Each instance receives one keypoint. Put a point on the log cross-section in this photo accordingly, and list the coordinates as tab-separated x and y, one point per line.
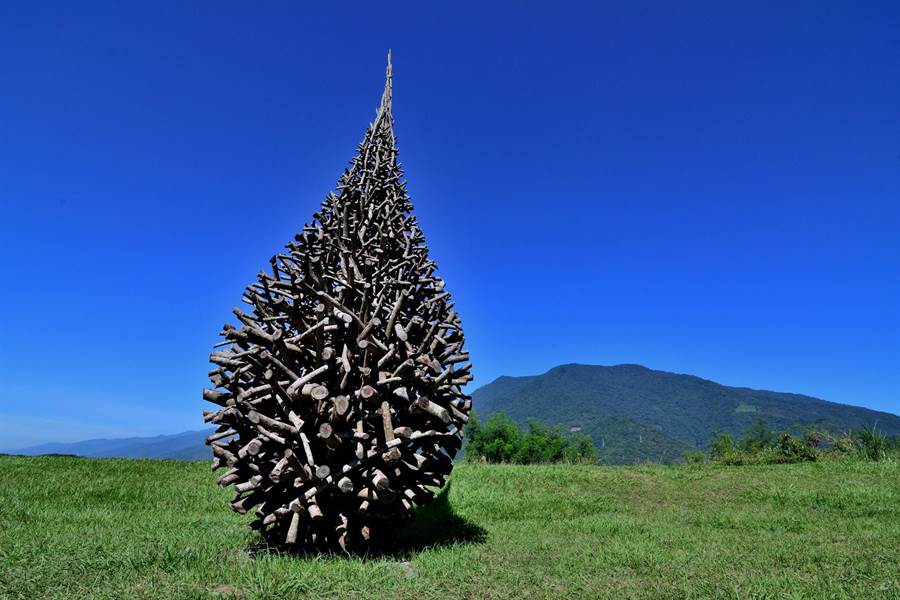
338	393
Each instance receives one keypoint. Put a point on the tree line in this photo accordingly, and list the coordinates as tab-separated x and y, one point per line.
500	440
761	445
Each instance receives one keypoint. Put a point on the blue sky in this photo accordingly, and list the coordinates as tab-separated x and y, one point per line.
708	188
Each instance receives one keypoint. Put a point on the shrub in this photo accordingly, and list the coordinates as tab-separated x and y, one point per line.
762	446
758	447
694	457
581	450
873	444
816	438
758	437
842	444
721	446
500	440
792	450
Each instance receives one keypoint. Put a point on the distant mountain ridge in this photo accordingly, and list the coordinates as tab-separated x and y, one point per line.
632	413
635	414
187	445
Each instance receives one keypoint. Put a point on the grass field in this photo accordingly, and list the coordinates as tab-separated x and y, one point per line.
74	528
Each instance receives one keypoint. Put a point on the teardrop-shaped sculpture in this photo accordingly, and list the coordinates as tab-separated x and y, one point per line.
339	392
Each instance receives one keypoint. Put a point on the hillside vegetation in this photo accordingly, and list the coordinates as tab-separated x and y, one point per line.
82	528
635	414
500	440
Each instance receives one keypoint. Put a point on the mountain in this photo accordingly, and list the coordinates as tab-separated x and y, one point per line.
635	414
632	413
187	445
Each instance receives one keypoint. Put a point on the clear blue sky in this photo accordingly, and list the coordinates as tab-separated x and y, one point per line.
707	188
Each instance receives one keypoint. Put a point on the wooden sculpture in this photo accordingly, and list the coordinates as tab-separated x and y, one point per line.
339	392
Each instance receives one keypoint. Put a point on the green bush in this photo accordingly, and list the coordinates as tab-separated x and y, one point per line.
758	437
723	450
500	440
873	444
580	450
841	444
792	450
694	457
760	446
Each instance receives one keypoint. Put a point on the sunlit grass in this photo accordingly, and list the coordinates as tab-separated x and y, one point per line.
73	528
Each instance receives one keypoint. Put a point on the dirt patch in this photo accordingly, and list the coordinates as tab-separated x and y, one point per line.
228	591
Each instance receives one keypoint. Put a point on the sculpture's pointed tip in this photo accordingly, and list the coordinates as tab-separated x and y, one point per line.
386	98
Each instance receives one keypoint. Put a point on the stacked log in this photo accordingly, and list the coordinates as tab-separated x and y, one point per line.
339	390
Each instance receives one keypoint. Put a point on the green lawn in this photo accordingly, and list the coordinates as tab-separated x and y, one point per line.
73	528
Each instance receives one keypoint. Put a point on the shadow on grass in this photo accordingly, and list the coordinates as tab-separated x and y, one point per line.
433	525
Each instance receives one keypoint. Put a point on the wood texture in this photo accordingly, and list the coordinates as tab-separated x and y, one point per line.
338	393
